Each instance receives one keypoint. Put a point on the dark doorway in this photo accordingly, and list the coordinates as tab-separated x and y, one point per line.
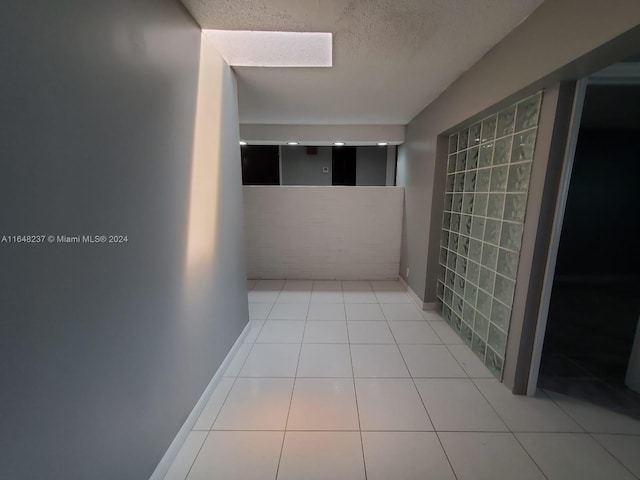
344	166
260	164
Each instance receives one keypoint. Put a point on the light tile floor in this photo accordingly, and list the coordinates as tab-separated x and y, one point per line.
350	380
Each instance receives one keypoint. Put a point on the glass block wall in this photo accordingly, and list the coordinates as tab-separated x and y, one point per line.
482	224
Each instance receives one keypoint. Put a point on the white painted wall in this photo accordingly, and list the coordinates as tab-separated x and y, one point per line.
299	168
323	232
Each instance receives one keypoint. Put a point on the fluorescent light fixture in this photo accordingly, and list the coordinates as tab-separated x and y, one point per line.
382	144
292	143
245	48
338	144
242	142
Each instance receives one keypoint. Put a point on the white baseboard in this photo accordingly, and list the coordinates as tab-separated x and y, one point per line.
427	306
169	456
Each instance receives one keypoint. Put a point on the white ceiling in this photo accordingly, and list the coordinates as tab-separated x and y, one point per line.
391	58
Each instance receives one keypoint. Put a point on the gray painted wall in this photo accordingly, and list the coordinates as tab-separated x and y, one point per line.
541	51
371	165
298	168
105	349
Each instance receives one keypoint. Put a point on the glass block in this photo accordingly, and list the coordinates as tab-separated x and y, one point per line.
446	220
483	180
467	203
450	277
519	177
457	203
500	315
502	151
463	139
470	181
461	161
499	179
478	346
465	224
461	266
523	146
474	134
486	155
477	228
483	303
492	232
515	207
448	202
487	279
481	326
451	163
453	143
506	122
451	180
480	204
511	236
453	242
466	333
446	313
495	205
507	263
440	290
459	185
494	363
442	260
504	289
451	261
527	113
497	339
442	271
444	238
463	248
470	293
456	322
457	305
455	222
475	250
489	128
489	256
448	296
472	158
468	313
473	271
459	286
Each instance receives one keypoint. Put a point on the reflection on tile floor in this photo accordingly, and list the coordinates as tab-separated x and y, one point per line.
350	380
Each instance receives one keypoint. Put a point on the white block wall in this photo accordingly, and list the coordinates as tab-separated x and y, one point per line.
323	232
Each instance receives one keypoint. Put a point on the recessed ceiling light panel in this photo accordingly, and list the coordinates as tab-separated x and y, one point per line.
338	144
246	48
292	143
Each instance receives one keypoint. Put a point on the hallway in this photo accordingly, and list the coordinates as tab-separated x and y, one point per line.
350	380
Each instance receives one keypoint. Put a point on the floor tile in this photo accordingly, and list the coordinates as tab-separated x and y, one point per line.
394	297
369	332
186	456
446	333
625	448
298	285
271	360
414	332
256	404
405	456
470	362
326	331
401	311
594	418
254	330
431	361
457	405
293	296
321	456
281	331
263	296
356	286
526	414
359	297
324	360
564	456
327	291
323	404
238	455
377	361
289	311
363	311
213	405
488	456
259	311
233	369
387	286
268	285
326	311
390	404
432	316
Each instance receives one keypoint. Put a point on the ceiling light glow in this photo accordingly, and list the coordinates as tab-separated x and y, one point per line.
338	144
382	144
242	142
292	143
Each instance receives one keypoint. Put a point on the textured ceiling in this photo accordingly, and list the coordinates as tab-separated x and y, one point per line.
391	57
